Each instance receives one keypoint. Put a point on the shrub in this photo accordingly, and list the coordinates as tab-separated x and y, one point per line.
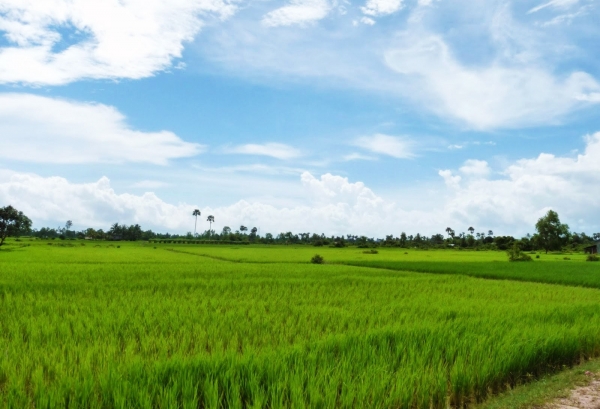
317	259
372	251
515	254
566	258
538	256
592	257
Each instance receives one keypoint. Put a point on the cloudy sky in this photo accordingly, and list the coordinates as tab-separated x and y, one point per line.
367	117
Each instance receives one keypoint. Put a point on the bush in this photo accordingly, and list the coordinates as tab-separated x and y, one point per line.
566	258
592	257
372	251
317	259
515	254
538	256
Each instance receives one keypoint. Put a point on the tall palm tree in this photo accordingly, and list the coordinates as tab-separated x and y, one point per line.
211	220
471	230
196	213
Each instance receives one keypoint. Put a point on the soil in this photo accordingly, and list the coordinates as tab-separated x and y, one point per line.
584	397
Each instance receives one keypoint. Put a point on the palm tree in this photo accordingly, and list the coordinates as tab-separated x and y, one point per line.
243	228
471	230
196	213
448	230
211	220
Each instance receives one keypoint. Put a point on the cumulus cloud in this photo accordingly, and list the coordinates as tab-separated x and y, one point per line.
397	147
508	201
527	188
491	96
49	130
381	7
298	12
115	39
475	168
274	150
337	206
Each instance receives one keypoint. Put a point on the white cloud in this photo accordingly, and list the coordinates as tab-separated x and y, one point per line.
381	7
527	189
510	203
337	206
488	97
475	168
397	147
358	156
298	12
49	130
368	21
561	4
118	39
452	181
274	150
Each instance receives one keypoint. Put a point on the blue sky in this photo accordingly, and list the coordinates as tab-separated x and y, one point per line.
370	117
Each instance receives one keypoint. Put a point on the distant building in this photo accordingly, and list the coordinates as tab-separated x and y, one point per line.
593	249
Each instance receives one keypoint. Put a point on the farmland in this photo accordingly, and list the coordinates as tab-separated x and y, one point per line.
169	325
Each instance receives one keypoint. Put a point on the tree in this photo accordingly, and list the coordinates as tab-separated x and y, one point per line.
471	230
12	223
449	231
552	234
211	220
243	228
68	226
195	213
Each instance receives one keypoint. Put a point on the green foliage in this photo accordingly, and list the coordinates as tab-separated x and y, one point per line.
317	259
515	254
372	251
12	223
94	327
592	257
552	234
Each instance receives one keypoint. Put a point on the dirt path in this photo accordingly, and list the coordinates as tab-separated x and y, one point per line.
584	397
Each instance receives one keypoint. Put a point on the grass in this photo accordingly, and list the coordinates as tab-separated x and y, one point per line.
546	389
564	273
138	326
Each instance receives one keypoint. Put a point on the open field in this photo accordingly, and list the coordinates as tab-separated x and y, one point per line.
214	327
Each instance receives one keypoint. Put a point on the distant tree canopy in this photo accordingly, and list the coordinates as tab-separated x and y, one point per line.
552	234
12	223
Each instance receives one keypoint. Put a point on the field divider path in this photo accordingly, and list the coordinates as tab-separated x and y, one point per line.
572	275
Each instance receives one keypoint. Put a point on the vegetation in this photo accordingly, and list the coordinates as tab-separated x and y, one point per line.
515	254
592	257
12	223
552	234
166	323
317	259
172	327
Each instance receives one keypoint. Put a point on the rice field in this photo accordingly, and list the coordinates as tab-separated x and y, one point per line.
182	326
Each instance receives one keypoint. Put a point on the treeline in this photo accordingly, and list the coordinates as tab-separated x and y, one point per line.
550	235
483	241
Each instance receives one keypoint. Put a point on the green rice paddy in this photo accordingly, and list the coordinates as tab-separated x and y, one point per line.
190	326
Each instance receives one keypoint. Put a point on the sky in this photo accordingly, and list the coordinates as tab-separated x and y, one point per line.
369	117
